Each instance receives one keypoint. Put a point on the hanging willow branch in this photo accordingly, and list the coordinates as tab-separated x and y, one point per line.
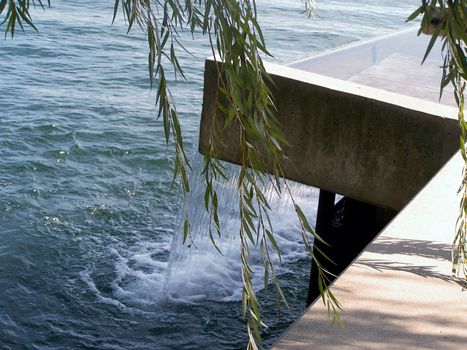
17	13
245	99
447	20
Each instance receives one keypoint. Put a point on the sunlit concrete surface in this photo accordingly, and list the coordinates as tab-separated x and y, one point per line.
391	63
399	293
356	140
366	122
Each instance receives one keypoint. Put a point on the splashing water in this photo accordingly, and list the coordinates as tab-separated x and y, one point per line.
200	272
145	277
87	218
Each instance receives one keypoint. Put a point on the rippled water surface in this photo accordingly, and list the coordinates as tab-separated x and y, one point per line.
87	213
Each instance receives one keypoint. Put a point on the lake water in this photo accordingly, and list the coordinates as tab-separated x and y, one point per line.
87	213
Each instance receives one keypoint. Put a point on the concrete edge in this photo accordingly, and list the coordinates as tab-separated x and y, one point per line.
351	88
356	44
381	233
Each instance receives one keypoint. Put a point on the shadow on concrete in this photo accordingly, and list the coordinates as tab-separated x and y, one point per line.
426	249
420	270
394	332
409	247
347	227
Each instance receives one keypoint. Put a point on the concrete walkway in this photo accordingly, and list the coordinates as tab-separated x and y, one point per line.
399	293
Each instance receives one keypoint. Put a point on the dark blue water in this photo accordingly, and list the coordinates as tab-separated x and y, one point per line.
87	213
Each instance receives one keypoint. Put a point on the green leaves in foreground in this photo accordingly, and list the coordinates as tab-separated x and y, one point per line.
244	98
236	40
446	20
16	12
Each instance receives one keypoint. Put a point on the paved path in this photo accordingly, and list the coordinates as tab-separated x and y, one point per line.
399	294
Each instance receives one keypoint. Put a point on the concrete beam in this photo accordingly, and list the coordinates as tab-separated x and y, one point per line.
365	143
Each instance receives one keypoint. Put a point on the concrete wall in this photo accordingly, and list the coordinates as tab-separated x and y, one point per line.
374	146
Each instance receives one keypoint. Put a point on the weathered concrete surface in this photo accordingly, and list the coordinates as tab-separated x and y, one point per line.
347	61
361	142
399	294
391	63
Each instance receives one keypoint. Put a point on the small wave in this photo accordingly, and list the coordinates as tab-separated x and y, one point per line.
139	275
87	279
139	278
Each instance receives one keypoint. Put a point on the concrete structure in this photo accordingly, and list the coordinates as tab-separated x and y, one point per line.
391	63
345	137
372	129
399	293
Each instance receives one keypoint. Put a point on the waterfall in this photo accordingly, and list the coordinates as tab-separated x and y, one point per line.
200	272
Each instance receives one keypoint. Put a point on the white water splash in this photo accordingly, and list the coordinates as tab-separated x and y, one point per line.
201	273
143	277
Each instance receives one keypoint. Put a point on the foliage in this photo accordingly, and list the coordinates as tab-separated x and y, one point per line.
447	19
17	13
244	97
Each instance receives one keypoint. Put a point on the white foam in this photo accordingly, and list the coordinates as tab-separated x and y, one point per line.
201	273
140	275
144	278
86	278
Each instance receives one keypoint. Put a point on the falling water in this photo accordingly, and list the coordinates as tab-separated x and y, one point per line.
86	214
200	272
